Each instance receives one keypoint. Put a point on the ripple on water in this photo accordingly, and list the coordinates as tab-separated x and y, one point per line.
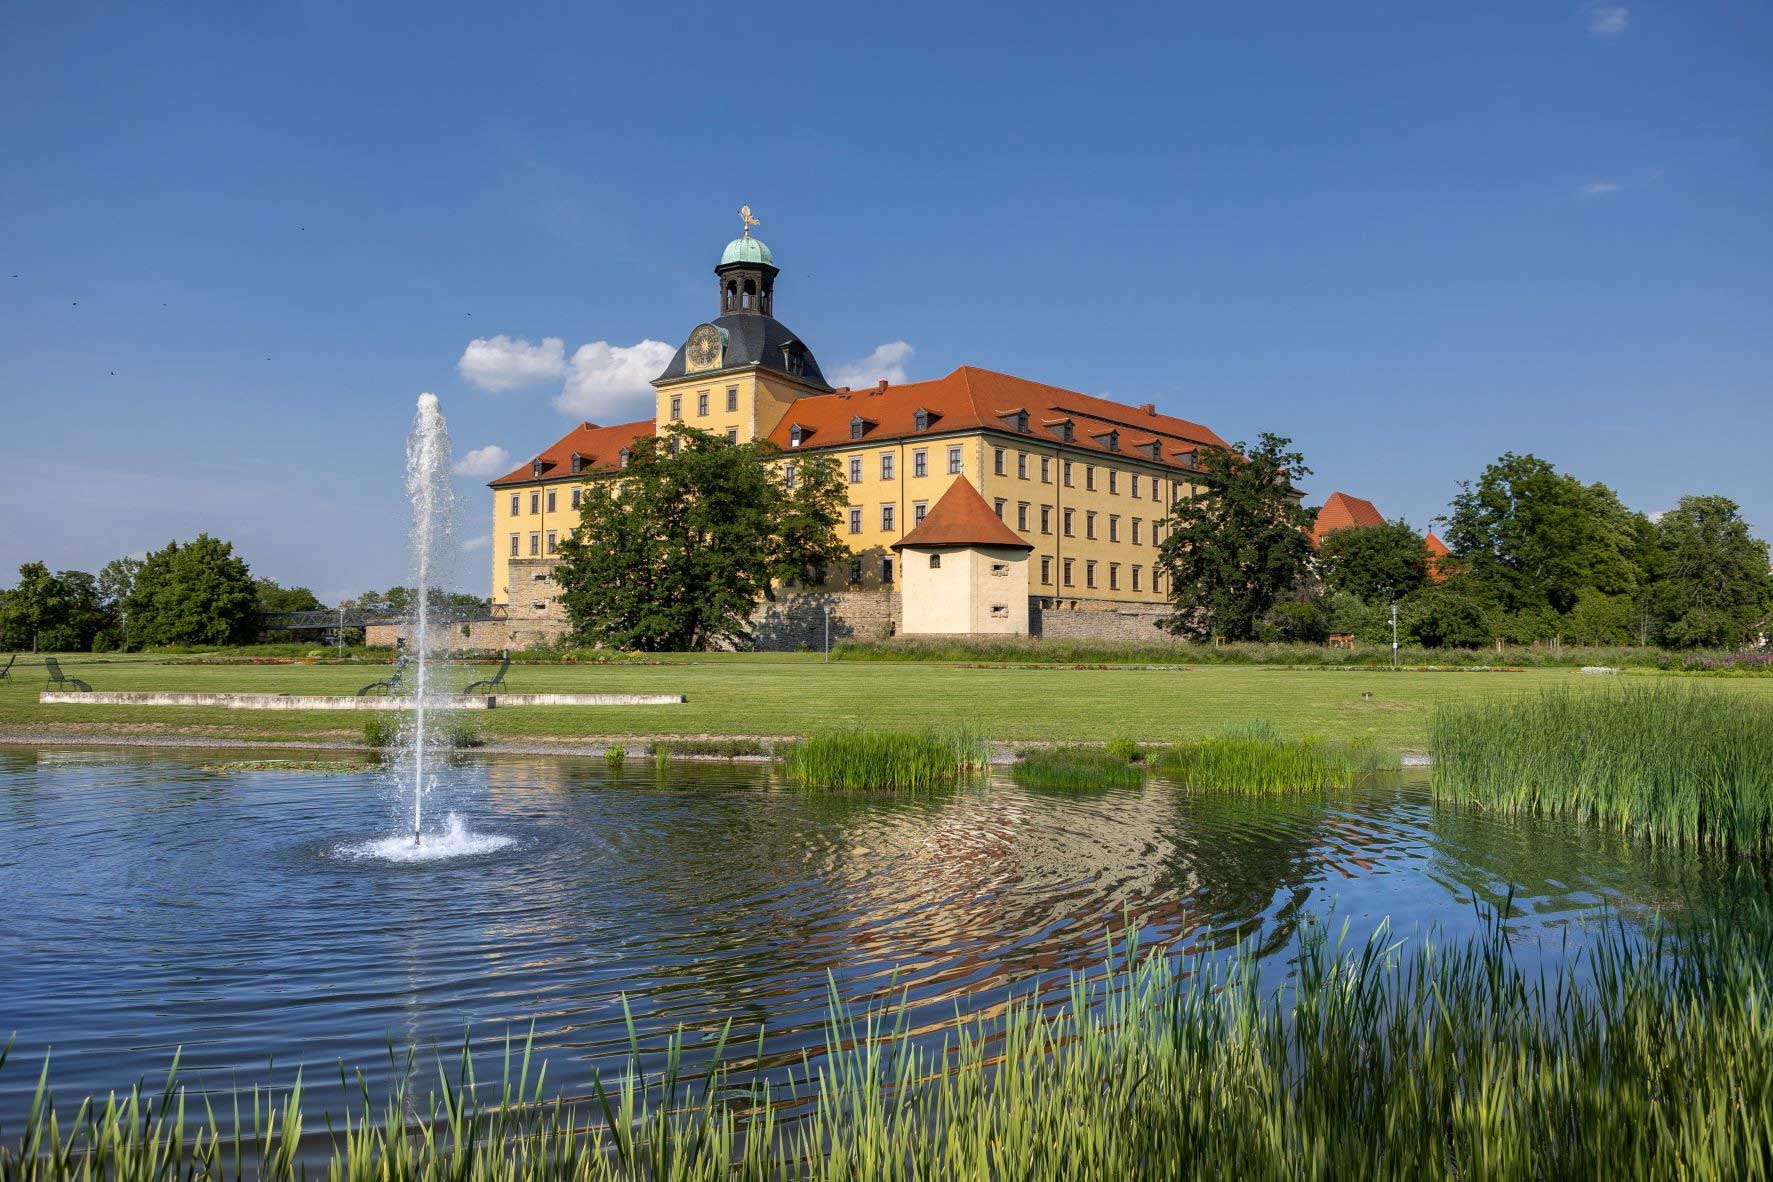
454	842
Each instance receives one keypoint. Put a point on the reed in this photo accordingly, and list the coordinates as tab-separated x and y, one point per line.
729	748
1675	764
1254	759
380	731
902	760
614	757
1076	767
1374	1061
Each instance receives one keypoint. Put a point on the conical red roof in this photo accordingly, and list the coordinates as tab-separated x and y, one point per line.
962	518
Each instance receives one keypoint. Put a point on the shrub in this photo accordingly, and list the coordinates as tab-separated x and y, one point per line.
1125	750
381	730
615	757
1673	763
883	759
461	734
1075	767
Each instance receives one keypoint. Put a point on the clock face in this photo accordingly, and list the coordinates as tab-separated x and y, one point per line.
705	348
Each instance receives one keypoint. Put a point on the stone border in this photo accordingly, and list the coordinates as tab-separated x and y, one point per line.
341	702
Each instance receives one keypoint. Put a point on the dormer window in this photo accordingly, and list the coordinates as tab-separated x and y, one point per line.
796	435
1016	420
859	427
622	458
578	463
1062	428
536	469
1154	449
921	420
1109	440
793	359
1022	422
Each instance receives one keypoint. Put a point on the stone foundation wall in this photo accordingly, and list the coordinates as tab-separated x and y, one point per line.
480	635
1095	619
797	622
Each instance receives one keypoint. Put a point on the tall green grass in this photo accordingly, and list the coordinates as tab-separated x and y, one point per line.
1076	767
1254	758
1676	764
1649	1061
883	759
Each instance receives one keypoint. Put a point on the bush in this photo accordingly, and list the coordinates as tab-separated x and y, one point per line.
1293	623
381	730
461	734
615	757
1444	617
1125	750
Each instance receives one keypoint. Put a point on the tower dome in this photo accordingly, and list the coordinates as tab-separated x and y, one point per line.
747	250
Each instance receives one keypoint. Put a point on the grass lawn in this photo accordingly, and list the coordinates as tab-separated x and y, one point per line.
795	694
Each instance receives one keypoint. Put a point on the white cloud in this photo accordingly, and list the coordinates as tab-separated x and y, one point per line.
610	383
490	460
477	542
887	361
1599	188
1608	20
500	363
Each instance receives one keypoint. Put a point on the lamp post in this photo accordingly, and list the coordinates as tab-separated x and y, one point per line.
1394	634
828	632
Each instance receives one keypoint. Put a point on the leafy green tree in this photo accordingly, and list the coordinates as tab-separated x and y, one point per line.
674	555
1599	619
1534	537
1239	545
395	601
1445	615
1375	563
47	612
1299	621
197	593
273	597
1714	588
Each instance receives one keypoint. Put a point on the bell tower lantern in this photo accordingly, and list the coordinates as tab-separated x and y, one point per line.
746	274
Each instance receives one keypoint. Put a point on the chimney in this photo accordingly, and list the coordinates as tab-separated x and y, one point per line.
881	387
1149	408
843	389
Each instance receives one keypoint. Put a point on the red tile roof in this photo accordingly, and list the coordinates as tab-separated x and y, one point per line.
962	518
970	398
1342	511
598	449
1437	550
1436	547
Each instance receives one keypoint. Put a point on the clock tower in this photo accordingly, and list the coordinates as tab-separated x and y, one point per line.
736	375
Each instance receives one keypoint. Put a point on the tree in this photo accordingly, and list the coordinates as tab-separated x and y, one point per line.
1534	538
395	601
1714	588
1237	546
1445	615
675	554
275	598
1375	563
197	593
46	612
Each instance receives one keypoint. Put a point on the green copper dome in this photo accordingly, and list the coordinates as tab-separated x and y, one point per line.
746	250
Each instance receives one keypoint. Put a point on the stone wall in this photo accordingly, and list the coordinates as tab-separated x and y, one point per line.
797	622
1095	619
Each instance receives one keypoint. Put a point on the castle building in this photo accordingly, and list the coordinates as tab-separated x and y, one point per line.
1077	485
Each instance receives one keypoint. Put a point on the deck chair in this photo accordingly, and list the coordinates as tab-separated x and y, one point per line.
58	678
492	683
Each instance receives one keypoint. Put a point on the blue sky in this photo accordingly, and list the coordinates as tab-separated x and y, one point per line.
236	242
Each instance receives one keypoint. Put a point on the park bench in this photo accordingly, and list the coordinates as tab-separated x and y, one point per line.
492	683
388	685
8	668
58	678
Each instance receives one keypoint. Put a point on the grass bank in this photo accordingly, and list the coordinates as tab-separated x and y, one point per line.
1434	1064
1256	759
1676	764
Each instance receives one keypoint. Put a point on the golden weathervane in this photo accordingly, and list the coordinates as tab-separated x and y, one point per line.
747	220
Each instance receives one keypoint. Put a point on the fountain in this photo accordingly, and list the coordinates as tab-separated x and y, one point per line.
431	545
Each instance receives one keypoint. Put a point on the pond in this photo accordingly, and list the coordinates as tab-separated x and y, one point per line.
153	902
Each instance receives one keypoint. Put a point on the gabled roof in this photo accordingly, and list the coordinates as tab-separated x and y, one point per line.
971	397
1436	547
962	518
599	450
1342	511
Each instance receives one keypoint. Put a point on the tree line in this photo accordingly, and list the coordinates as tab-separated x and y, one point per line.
1536	555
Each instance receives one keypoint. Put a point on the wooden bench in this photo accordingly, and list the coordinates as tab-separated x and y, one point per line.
58	678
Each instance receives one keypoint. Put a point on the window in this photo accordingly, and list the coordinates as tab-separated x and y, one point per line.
622	458
997	507
857	426
920	462
577	494
1000	611
535	545
550	500
1113	481
732	435
1065	473
1114	527
676	407
886	571
514	545
954	461
1046	519
702	403
552	546
1000	570
1090	573
1155	494
1022	516
1136	569
788	474
935	562
997	461
921	420
1046	469
1090	477
535	502
1068	563
1046	569
1114	576
1133	485
855	570
676	445
886	465
1135	531
1022	465
1090	524
1069	513
796	434
855	521
918	509
515	499
855	469
732	398
886	517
